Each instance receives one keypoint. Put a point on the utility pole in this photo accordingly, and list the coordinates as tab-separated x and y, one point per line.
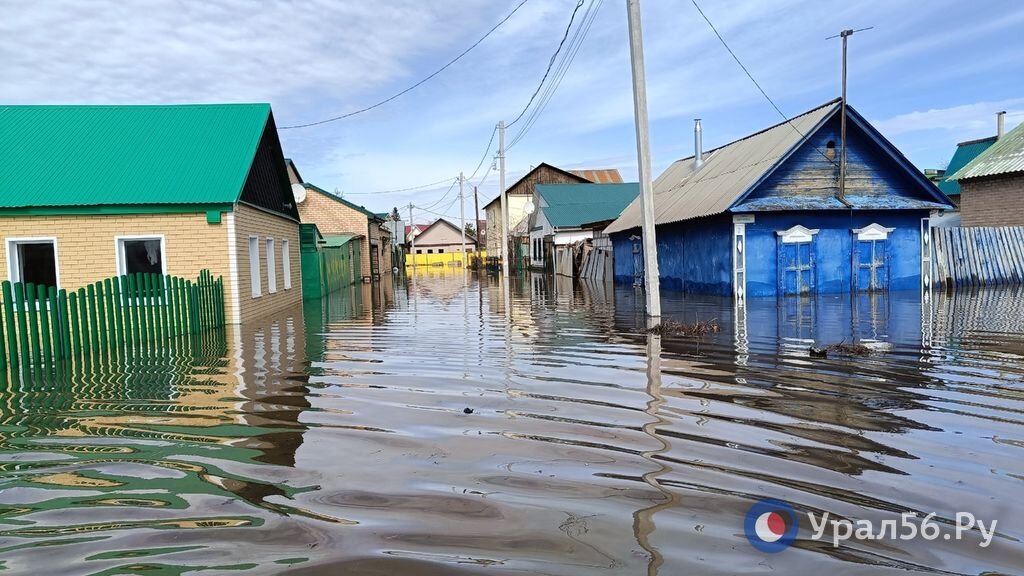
412	238
462	216
652	289
476	223
504	199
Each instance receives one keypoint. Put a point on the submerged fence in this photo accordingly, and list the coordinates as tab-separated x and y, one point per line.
981	256
114	318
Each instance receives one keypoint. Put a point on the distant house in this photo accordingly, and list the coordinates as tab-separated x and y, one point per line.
562	211
762	216
519	196
334	215
90	192
965	152
414	230
442	237
992	184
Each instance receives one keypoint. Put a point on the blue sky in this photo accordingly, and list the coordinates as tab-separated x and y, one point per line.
928	75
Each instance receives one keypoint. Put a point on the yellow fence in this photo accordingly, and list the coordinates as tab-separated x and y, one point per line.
450	259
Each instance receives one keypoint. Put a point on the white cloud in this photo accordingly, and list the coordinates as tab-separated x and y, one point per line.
968	120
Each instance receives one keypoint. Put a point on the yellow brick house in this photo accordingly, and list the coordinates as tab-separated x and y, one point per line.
91	192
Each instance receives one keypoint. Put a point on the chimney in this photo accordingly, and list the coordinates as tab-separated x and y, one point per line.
1000	121
698	145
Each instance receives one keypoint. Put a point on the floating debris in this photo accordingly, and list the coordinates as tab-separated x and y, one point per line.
699	328
842	349
467	410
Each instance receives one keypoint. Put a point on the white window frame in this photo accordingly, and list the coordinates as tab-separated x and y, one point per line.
874	231
255	279
119	251
286	263
13	262
271	265
797	234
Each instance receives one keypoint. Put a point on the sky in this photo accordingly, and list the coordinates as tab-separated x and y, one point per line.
928	75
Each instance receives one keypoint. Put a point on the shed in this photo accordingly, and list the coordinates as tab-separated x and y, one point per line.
335	215
91	192
763	217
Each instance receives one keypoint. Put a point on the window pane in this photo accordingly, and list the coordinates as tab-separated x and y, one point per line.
142	256
271	266
37	263
254	266
286	264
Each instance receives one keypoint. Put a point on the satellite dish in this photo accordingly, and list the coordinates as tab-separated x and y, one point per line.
529	208
299	191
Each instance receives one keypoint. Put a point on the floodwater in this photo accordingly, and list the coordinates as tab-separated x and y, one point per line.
334	439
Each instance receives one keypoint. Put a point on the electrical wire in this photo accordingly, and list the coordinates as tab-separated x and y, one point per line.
400	190
550	64
417	84
446	193
560	71
751	77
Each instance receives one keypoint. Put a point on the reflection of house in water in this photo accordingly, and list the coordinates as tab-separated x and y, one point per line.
201	416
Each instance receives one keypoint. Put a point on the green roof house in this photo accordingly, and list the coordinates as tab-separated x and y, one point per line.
90	192
992	184
965	152
562	215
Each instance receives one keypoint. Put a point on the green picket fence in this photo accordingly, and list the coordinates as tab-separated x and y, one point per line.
113	318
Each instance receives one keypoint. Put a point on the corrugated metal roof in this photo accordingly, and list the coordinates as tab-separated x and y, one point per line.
127	155
728	172
965	152
1003	157
335	240
600	176
572	205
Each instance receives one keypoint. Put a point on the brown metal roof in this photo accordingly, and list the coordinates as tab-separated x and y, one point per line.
600	175
727	173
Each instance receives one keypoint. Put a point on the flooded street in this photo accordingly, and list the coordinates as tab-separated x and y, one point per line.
429	428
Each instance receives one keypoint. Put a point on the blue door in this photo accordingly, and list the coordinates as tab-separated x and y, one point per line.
796	268
871	266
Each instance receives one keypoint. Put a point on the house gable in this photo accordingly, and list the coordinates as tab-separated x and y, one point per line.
441	232
877	175
267	185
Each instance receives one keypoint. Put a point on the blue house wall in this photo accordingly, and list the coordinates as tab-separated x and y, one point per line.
693	256
833	248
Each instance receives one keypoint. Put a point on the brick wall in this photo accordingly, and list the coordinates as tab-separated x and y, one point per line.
86	249
252	222
333	217
994	201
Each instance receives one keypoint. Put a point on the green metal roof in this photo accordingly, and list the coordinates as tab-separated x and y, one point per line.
127	155
337	198
1003	157
572	205
333	240
965	152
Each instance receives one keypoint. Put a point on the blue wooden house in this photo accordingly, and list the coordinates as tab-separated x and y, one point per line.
763	216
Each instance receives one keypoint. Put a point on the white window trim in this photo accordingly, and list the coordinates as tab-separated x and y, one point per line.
119	253
12	255
255	276
797	234
286	262
873	231
271	249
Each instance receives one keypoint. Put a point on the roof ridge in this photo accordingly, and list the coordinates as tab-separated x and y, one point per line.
182	105
763	130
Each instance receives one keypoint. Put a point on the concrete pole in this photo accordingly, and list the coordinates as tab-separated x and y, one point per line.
412	238
504	198
652	289
462	217
476	223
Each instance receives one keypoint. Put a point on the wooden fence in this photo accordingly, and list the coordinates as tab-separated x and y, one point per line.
114	318
966	257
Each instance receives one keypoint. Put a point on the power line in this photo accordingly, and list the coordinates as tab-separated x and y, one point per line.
560	71
447	192
484	157
400	190
550	63
751	77
416	85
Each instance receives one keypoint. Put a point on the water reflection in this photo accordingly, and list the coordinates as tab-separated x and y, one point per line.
449	424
